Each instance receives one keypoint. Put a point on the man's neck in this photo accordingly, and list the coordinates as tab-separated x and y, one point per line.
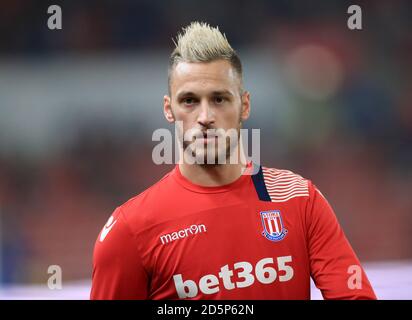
216	175
211	175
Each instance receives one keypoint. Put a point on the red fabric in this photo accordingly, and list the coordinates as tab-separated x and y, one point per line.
217	232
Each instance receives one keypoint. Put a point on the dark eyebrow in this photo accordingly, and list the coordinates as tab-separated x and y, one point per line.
185	94
222	93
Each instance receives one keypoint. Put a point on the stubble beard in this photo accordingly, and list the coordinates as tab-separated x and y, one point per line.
218	153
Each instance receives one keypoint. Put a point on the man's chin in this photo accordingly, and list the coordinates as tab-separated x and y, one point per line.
202	156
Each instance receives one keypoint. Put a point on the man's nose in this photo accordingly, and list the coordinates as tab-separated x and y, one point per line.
206	114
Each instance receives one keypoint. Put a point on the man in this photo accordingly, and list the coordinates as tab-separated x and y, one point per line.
211	230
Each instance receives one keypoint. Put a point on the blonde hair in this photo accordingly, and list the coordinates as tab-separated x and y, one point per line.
200	42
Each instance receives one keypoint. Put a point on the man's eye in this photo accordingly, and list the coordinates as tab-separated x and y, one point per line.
189	101
219	100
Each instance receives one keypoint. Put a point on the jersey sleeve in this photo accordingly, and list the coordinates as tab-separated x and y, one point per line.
334	266
118	272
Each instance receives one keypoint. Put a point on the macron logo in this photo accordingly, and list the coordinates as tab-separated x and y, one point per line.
106	229
183	233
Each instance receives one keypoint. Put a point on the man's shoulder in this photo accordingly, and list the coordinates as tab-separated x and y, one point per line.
283	185
138	210
277	173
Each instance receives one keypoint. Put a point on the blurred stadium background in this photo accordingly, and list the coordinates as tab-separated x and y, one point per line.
78	107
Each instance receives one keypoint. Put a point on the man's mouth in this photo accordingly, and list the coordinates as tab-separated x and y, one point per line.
207	137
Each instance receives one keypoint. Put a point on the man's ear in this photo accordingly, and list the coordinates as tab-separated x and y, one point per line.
245	106
167	109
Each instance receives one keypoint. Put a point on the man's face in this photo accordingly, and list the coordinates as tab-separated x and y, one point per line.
206	96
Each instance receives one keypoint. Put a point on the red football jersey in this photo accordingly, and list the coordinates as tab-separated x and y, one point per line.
260	237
